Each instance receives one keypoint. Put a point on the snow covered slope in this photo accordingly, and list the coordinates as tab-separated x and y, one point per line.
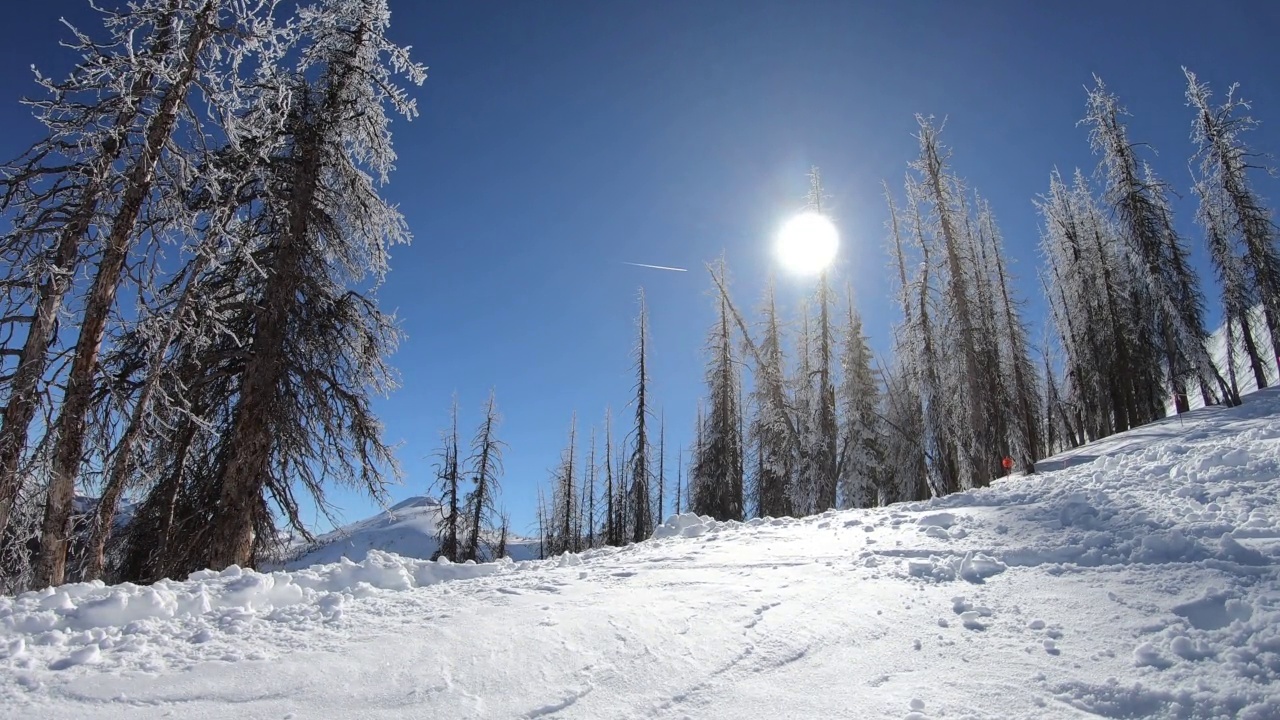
407	529
1136	577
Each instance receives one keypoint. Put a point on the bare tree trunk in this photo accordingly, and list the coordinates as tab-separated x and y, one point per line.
71	425
249	445
34	359
122	462
1251	347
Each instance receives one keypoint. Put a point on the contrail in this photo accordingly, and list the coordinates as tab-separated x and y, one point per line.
656	267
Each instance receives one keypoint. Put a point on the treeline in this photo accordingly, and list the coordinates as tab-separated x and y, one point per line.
189	260
613	491
816	422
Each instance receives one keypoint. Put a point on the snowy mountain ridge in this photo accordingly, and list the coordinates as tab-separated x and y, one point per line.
408	528
1134	577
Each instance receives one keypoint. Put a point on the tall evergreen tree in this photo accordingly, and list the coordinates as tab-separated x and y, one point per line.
717	465
564	537
679	479
825	440
485	468
1018	388
1161	262
588	504
861	454
639	498
200	31
612	530
775	461
939	196
1239	226
448	485
317	347
905	468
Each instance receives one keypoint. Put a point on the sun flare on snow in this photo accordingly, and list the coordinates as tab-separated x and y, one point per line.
807	243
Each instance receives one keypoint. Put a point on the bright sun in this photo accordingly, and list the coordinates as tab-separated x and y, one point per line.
807	243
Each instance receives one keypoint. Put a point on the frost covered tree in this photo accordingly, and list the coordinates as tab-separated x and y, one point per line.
1017	389
804	403
640	519
317	348
823	443
210	38
942	218
109	172
905	469
1159	256
962	390
717	465
775	456
58	190
1238	225
1102	316
861	446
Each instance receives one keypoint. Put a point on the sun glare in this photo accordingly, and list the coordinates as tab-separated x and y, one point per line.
807	243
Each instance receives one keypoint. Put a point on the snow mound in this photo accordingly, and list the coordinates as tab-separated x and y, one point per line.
1137	577
685	525
94	606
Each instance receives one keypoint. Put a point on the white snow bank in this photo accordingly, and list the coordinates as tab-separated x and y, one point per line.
54	613
1135	577
685	525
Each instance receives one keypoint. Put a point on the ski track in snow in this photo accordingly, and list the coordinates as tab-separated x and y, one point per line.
1134	577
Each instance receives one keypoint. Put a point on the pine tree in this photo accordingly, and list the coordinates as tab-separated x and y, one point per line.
485	468
1016	371
1240	229
679	479
317	348
769	426
1160	258
862	454
902	416
448	481
641	520
804	481
564	496
588	503
201	23
612	531
824	444
1102	314
717	465
939	198
922	346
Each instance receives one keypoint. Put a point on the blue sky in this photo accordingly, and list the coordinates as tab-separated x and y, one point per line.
558	139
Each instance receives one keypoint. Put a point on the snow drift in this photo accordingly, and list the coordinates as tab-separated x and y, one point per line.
1135	577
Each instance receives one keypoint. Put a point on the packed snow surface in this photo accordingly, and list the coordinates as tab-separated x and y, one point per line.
1135	577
